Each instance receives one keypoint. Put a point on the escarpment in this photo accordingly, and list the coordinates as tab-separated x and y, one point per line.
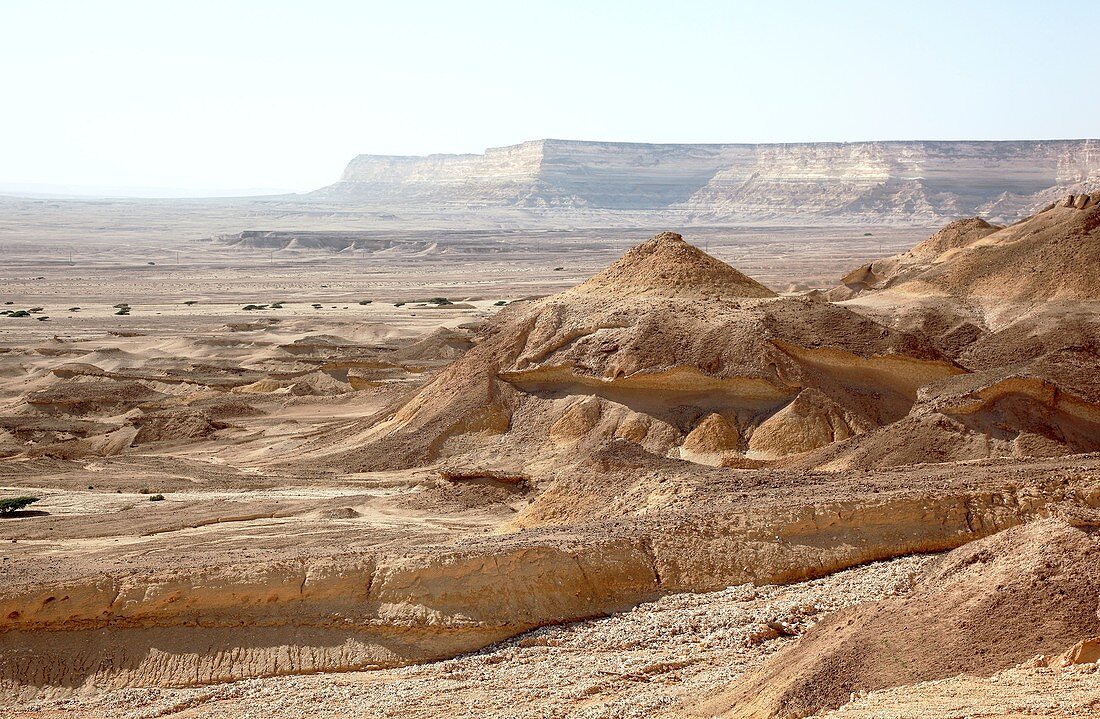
877	182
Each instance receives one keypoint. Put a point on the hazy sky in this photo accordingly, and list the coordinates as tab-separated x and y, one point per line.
231	95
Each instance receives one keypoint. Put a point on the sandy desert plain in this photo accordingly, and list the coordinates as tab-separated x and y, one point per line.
840	471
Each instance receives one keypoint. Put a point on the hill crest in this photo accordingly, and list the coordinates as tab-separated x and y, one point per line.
667	266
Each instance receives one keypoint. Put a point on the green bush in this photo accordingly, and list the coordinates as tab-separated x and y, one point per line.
500	303
14	504
439	301
20	313
156	498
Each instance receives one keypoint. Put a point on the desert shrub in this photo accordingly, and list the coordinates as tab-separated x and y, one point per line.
74	309
190	302
120	305
439	301
43	318
14	504
255	307
559	269
398	304
123	311
316	306
35	309
156	498
500	303
9	302
365	302
20	313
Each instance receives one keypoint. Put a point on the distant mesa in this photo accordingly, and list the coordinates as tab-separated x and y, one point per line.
892	182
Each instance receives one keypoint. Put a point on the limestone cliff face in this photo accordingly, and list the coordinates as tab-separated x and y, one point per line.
503	176
844	182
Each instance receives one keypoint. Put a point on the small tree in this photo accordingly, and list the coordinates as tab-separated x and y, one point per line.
14	504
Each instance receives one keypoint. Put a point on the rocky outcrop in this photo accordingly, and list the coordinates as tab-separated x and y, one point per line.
838	182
